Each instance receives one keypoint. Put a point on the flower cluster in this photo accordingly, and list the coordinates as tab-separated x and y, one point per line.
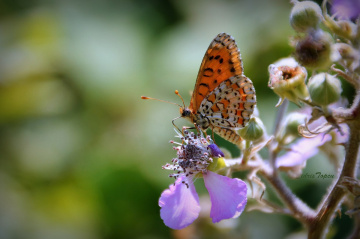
328	46
180	203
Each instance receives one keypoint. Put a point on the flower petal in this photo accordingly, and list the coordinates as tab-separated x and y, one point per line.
227	195
343	135
302	150
179	204
216	151
345	9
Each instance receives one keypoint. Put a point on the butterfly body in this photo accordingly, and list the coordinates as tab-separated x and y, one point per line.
223	98
199	119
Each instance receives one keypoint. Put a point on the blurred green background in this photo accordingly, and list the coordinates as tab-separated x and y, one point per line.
80	152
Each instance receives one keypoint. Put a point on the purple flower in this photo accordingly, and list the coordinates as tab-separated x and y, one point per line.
346	9
301	151
305	148
180	203
320	133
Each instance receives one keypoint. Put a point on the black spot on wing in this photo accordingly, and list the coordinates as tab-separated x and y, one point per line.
204	84
208	72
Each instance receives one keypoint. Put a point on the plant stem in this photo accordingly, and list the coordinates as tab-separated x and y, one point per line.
280	115
356	232
299	209
320	223
279	119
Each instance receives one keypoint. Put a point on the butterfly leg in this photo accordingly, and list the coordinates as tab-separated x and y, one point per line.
173	122
213	135
203	131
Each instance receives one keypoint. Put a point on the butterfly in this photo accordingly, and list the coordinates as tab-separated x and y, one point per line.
223	98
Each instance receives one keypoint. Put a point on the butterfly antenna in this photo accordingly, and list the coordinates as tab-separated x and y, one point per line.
177	92
150	98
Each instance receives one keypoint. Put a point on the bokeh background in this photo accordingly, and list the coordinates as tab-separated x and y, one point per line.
81	153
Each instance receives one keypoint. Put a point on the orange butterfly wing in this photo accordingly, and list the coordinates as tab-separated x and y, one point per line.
221	61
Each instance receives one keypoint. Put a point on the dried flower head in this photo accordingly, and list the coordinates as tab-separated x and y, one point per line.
287	79
314	50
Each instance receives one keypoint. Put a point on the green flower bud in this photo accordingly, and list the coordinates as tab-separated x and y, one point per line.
287	80
254	130
217	164
314	50
343	51
324	89
346	51
305	15
348	28
289	131
342	28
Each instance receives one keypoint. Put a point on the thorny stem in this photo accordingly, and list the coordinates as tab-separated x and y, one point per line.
299	209
318	221
351	113
356	232
348	78
319	224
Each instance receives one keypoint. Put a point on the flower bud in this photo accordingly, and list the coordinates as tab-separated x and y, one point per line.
305	15
347	29
314	50
218	161
288	81
215	151
346	51
254	130
343	51
289	132
324	89
217	164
